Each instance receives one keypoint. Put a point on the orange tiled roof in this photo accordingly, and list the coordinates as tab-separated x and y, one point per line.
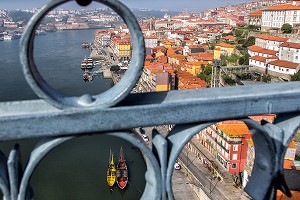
147	63
209	56
189	87
290	45
162	59
151	37
283	7
256	14
267	117
281	196
196	63
285	64
148	57
262	50
272	38
259	58
170	52
288	164
228	37
292	144
225	45
234	128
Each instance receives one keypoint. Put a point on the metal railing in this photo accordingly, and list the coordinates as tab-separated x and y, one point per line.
54	119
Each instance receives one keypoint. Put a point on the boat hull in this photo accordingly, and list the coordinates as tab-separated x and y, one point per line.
111	171
122	171
111	176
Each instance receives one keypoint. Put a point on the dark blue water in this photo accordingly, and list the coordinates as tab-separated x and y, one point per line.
76	169
58	56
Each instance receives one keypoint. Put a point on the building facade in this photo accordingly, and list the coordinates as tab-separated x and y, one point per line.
275	16
227	142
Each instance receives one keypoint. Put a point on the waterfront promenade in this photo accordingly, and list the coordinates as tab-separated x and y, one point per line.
195	178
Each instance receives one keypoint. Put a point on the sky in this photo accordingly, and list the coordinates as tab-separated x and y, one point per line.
178	5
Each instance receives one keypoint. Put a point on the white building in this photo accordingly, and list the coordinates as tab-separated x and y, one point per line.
151	41
269	42
283	67
255	18
277	15
290	51
275	55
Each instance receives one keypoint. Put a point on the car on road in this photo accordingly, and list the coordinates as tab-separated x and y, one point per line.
177	166
145	138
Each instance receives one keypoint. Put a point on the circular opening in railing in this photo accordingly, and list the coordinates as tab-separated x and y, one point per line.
77	168
81	166
76	56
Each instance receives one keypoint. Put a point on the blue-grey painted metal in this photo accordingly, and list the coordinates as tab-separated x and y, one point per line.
177	139
58	118
106	99
160	149
14	171
4	182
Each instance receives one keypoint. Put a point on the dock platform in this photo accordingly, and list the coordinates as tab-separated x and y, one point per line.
107	73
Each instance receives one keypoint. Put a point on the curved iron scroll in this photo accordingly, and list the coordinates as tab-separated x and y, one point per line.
116	109
103	100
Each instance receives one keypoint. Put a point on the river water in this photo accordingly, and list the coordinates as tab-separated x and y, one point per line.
76	169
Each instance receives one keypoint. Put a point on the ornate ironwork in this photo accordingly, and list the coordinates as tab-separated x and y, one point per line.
117	110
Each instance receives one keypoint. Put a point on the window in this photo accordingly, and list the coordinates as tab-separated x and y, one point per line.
234	156
296	57
235	147
234	165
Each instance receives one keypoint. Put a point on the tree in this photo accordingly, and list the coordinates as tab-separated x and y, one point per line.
253	27
241	41
238	32
228	80
266	78
206	73
286	28
296	77
249	42
241	60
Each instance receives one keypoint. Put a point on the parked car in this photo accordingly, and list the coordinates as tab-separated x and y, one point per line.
145	138
177	166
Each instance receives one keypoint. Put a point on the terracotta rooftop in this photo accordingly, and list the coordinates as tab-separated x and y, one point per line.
282	7
272	38
256	14
234	128
285	64
267	117
290	45
209	56
259	58
225	45
261	50
228	37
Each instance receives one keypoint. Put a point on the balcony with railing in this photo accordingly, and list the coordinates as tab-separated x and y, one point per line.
56	118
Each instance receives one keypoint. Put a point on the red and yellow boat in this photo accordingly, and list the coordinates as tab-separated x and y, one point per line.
122	171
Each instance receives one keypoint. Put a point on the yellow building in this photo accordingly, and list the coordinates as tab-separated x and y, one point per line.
224	49
194	68
121	48
158	77
167	44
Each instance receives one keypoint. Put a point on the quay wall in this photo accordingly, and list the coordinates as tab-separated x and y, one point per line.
107	73
194	182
